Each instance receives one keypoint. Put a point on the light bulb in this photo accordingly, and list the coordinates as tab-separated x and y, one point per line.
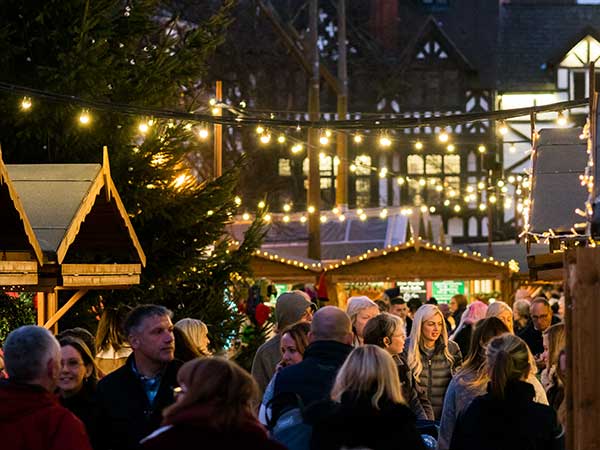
450	148
324	140
502	129
419	145
203	133
432	209
281	139
287	207
481	149
561	120
237	200
84	118
456	208
385	141
358	138
286	218
265	138
512	148
401	181
260	129
26	104
493	199
323	219
143	127
303	219
328	133
443	137
246	216
311	209
261	204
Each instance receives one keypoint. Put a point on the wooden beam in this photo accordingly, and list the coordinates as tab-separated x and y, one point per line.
582	310
56	316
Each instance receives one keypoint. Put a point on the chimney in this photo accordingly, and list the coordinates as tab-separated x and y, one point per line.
384	22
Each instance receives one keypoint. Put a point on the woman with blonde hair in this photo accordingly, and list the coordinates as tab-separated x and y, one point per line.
431	356
503	312
554	341
197	333
507	416
215	406
366	408
360	309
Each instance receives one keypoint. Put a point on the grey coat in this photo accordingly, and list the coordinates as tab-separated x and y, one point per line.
437	373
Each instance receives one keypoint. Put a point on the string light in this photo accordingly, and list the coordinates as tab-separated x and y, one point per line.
503	129
443	137
311	209
261	204
281	139
358	138
287	207
26	104
385	141
265	138
512	148
323	219
260	129
297	148
203	133
246	216
323	140
143	127
481	148
237	200
419	145
450	148
401	181
456	208
561	119
493	199
85	118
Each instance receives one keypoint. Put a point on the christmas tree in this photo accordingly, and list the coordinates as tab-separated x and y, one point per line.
137	53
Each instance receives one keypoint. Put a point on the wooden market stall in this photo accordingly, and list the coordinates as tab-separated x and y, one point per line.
64	227
279	269
419	260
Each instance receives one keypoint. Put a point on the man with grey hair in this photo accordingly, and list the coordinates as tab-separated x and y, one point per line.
131	399
312	379
30	415
291	307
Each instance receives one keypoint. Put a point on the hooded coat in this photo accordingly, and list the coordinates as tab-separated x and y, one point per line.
32	419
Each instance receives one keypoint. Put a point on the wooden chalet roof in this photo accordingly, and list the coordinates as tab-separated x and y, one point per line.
280	268
418	259
65	225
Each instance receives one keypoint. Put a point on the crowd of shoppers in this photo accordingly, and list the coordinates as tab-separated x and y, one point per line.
328	379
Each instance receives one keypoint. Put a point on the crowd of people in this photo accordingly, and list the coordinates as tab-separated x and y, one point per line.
376	375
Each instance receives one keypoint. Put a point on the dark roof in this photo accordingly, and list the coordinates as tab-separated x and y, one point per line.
505	251
531	38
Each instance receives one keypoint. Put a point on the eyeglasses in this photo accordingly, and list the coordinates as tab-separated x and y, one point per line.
71	363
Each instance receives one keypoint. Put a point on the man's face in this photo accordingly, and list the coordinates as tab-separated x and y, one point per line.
541	316
399	310
155	340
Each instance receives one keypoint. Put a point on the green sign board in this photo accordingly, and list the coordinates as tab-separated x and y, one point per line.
443	291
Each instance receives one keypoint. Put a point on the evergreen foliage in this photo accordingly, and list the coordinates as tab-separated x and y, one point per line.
139	53
15	312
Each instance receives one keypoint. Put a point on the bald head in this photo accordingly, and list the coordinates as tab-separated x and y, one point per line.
331	324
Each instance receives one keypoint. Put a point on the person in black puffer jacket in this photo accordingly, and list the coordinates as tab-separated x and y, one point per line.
431	357
366	409
507	417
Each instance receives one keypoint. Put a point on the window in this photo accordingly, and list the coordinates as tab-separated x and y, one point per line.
433	164
452	164
415	164
473	226
285	168
575	63
471	162
363	165
455	226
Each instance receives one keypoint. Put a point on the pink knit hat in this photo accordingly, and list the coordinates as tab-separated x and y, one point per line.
475	312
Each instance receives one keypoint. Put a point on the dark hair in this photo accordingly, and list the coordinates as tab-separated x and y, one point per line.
110	328
299	333
220	385
432	301
461	300
382	305
414	304
397	301
380	327
484	331
80	333
89	383
541	300
140	313
184	349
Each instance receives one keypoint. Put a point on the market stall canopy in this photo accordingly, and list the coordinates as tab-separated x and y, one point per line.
418	259
280	269
70	221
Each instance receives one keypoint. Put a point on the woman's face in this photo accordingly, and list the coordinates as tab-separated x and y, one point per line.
289	351
396	342
507	317
453	305
203	345
363	316
73	371
431	329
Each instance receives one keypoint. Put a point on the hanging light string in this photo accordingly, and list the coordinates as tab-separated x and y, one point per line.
250	118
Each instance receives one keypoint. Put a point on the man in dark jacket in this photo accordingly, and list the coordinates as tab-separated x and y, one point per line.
541	319
312	379
131	399
30	415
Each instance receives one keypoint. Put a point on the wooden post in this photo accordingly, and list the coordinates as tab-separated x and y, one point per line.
582	310
51	303
218	139
341	190
41	308
314	176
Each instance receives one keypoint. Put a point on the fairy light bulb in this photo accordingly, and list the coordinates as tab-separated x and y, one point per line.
303	219
203	133
400	181
323	219
287	207
261	204
296	148
493	199
443	136
26	104
260	129
358	138
502	128
432	209
311	209
328	133
281	139
385	141
265	138
512	148
450	148
237	200
561	119
143	127
482	207
85	118
246	216
481	149
323	140
456	208
419	145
